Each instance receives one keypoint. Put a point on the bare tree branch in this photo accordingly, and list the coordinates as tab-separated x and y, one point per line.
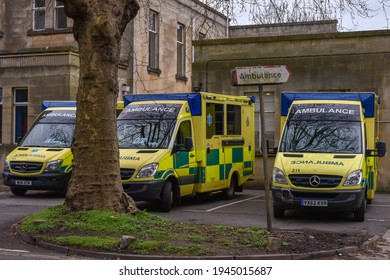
347	12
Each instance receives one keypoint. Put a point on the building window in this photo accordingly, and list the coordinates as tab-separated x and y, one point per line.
181	55
153	41
60	19
1	115
20	113
39	12
269	115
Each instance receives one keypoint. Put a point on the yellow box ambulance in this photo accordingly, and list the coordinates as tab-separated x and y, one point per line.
175	145
43	159
327	155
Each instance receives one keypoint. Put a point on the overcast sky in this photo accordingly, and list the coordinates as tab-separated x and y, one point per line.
378	21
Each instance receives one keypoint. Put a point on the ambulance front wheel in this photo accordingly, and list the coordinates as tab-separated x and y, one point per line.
278	212
166	197
359	215
18	192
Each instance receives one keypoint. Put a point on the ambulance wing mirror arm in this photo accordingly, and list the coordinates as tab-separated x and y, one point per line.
380	150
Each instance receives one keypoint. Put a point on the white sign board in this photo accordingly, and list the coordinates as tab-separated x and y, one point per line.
260	75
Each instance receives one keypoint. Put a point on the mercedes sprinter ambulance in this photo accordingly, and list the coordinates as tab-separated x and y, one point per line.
175	145
327	155
43	159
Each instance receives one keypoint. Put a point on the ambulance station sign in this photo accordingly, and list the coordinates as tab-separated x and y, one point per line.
260	75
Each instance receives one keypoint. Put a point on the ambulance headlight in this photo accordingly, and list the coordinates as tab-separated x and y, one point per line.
354	178
54	165
278	176
148	170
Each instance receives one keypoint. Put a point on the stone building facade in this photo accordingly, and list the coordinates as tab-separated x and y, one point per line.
332	61
39	57
294	28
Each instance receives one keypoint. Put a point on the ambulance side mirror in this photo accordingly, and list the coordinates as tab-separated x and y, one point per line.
272	151
381	149
188	144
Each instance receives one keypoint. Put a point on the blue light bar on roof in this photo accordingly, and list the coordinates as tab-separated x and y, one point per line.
47	104
366	98
193	98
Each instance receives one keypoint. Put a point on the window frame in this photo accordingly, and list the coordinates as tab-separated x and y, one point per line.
16	121
153	44
39	9
269	114
57	8
181	54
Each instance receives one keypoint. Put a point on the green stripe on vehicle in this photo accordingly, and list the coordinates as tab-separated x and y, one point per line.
238	155
213	157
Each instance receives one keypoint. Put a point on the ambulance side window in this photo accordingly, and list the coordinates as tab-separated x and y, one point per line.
183	133
214	120
233	120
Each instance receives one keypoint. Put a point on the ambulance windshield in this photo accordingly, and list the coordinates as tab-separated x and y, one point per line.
143	126
53	129
143	134
323	128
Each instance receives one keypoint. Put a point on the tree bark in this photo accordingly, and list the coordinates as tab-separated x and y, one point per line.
98	28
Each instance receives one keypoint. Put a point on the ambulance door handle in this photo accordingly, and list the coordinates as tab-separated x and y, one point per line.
192	155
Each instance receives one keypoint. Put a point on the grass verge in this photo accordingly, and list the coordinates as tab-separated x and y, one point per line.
153	235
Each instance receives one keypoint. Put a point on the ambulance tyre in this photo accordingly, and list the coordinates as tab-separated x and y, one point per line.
360	214
166	197
278	212
229	192
18	192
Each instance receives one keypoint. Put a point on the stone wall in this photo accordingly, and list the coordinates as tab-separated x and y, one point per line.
46	76
196	18
351	61
310	27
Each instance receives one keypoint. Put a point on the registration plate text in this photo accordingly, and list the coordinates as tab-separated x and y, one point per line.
23	183
316	203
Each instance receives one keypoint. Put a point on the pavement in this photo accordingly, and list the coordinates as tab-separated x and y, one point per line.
378	249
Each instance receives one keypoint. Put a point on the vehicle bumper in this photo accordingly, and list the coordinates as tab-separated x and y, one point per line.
144	191
49	181
340	200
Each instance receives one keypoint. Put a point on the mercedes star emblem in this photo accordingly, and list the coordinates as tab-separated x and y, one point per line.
314	181
24	167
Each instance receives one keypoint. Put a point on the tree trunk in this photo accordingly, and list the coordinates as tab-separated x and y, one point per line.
98	28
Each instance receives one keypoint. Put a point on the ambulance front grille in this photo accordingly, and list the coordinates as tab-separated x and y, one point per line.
26	167
315	181
126	174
